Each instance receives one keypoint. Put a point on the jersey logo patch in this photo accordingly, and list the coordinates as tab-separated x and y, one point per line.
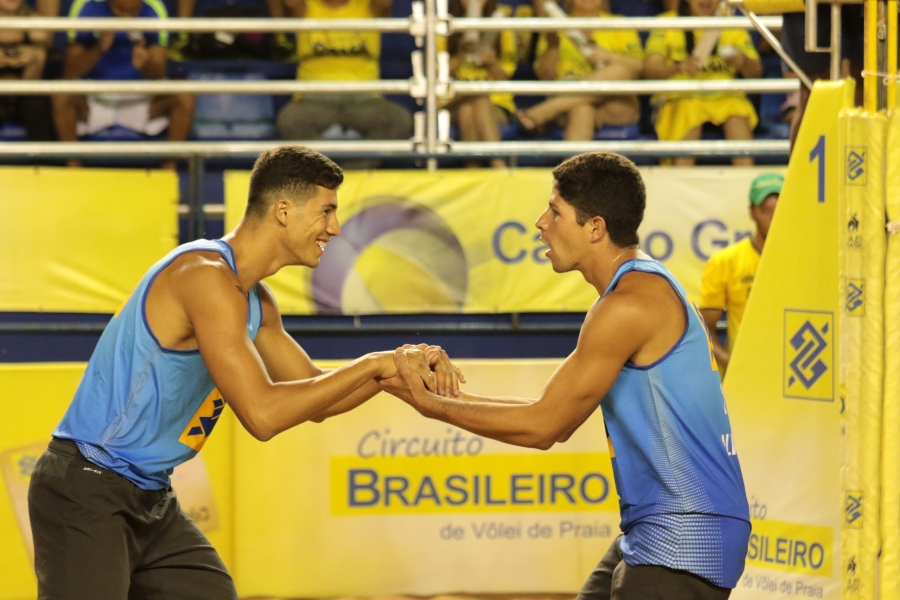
203	421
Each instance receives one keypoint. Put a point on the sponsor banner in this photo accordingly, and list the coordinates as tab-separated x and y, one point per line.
383	501
34	398
781	383
81	238
465	241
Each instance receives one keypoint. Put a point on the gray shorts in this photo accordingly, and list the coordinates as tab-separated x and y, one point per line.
97	536
614	579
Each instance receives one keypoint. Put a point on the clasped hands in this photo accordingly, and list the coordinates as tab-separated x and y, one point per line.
419	368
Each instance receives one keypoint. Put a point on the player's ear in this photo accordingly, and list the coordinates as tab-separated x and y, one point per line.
597	227
281	208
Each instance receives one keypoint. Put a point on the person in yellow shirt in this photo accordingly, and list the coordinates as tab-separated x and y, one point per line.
615	55
728	276
341	56
478	58
681	115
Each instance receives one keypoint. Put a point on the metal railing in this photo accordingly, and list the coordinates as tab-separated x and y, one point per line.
430	83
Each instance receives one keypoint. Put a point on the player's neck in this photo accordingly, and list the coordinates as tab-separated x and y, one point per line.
601	272
253	256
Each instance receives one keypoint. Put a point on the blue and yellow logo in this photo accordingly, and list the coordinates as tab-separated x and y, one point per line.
856	165
853	511
203	421
856	298
808	355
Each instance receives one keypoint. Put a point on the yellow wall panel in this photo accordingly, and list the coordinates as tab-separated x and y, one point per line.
78	240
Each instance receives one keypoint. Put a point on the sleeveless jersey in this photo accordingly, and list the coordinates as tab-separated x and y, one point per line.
142	409
681	492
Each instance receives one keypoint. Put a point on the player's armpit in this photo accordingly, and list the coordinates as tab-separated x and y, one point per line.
218	317
284	358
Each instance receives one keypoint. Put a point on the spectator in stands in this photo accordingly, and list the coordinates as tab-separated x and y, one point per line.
728	276
22	56
109	55
676	54
485	57
606	55
341	56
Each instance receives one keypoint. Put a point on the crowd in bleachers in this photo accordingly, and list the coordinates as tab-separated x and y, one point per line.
604	55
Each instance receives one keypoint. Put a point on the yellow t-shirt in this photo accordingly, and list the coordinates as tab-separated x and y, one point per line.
726	282
338	55
572	63
672	44
469	71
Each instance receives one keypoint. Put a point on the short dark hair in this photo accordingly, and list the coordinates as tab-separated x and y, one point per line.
292	171
607	185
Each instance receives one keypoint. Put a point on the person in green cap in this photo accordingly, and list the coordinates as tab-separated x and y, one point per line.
728	276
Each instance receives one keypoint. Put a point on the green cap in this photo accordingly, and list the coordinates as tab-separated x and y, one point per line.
762	186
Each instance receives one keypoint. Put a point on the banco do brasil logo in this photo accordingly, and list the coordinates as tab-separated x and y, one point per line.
856	298
808	355
856	165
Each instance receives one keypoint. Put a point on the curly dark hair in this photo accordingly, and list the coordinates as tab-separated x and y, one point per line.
607	185
292	171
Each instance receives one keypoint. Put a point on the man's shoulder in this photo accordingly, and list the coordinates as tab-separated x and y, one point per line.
90	8
153	9
638	293
205	268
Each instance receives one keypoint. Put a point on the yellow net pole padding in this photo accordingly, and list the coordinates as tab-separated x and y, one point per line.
870	57
849	331
872	346
774	7
890	443
891	56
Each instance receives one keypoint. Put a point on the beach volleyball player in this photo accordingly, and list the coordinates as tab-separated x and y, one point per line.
198	331
643	356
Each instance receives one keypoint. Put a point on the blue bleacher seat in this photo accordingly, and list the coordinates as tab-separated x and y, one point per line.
232	116
117	133
12	132
395	62
607	132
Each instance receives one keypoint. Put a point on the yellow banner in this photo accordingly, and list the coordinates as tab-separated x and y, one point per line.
781	384
79	240
469	482
412	503
33	400
465	241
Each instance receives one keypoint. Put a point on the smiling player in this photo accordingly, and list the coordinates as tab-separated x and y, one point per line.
198	331
643	356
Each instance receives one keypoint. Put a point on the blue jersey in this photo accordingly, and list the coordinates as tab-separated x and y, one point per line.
681	492
115	63
142	409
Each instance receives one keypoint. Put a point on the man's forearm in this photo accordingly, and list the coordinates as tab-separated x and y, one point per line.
505	419
79	63
290	403
154	69
353	400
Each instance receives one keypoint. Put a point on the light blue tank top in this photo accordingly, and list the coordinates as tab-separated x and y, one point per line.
681	492
142	409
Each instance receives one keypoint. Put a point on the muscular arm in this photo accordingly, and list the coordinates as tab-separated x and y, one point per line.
614	330
81	59
264	407
285	360
655	67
